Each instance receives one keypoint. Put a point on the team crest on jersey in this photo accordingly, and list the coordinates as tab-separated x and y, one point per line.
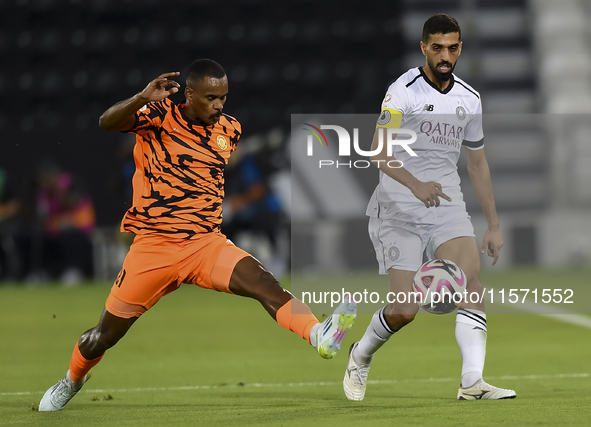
393	253
460	113
222	142
384	117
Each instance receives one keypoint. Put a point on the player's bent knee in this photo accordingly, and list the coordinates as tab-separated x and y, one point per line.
398	320
268	279
250	278
472	273
406	318
474	284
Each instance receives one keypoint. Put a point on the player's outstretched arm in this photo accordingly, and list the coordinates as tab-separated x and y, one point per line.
480	176
427	192
120	117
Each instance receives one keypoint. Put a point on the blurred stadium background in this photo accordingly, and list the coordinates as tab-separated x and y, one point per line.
66	61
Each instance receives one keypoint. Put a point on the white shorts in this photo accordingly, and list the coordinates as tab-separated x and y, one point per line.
401	244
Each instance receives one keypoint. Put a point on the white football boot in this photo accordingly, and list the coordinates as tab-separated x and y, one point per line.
481	390
332	331
355	379
56	398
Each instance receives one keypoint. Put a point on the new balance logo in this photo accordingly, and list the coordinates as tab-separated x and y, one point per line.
428	107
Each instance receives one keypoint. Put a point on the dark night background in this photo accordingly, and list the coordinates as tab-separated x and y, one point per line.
65	62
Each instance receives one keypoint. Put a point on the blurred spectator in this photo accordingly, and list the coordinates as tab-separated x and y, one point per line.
125	169
121	184
251	206
10	261
67	219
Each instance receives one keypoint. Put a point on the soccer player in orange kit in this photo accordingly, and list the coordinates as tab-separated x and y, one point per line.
180	154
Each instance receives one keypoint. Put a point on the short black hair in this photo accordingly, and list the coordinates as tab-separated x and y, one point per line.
441	23
203	68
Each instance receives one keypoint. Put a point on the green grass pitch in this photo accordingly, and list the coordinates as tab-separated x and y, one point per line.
205	358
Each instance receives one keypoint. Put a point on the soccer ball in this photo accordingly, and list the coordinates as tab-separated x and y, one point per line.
440	284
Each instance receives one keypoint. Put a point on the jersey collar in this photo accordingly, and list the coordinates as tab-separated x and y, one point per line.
191	121
434	86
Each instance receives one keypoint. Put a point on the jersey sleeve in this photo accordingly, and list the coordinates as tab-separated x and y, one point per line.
150	116
474	135
235	132
396	103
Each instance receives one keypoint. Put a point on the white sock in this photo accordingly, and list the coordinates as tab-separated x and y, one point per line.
376	335
313	333
72	384
471	337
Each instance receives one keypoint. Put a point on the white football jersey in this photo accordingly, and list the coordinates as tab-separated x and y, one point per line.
444	121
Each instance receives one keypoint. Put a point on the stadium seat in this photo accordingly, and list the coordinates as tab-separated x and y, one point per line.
291	72
236	32
288	30
239	74
78	37
183	34
258	33
24	39
134	77
102	39
80	79
131	36
52	82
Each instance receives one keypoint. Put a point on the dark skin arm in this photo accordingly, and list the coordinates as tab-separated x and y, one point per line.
120	117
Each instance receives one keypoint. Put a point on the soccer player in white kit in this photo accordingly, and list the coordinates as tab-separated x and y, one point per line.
419	207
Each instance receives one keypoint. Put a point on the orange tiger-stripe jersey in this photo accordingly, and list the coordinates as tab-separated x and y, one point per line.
178	185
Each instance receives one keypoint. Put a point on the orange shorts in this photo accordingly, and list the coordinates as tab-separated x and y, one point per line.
157	265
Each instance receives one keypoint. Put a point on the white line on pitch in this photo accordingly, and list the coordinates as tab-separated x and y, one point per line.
555	312
304	384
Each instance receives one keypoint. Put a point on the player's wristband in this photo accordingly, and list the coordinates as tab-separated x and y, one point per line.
389	119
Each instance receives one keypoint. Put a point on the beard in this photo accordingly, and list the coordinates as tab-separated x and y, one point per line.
442	77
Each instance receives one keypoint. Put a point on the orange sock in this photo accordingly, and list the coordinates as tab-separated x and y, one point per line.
297	317
79	365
